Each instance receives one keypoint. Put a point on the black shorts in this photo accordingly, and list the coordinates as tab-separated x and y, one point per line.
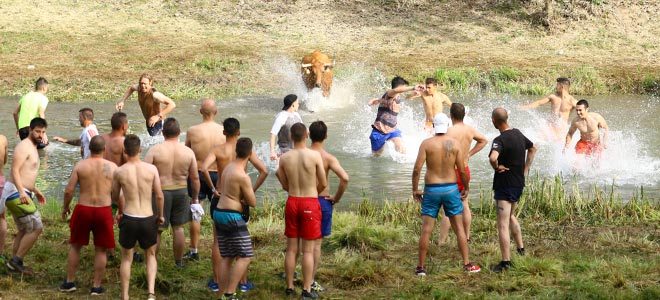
204	191
156	129
176	208
141	230
510	194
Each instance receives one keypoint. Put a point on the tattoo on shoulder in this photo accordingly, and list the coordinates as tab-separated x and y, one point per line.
449	146
106	170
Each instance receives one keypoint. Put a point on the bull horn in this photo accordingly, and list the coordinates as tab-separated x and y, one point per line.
305	65
330	64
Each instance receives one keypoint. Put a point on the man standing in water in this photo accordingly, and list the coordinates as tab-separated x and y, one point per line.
18	192
92	213
507	157
282	126
31	106
433	101
222	155
561	105
443	156
137	222
114	141
589	125
175	163
201	138
384	128
3	219
302	175
318	133
86	118
464	134
150	101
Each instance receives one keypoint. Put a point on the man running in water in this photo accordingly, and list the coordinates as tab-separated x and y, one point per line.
92	214
384	128
18	192
282	126
175	163
222	155
589	124
561	105
464	134
30	106
201	138
150	101
3	219
511	165
114	141
433	101
86	118
318	133
138	181
443	155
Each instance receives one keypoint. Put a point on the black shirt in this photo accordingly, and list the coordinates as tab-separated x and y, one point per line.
512	146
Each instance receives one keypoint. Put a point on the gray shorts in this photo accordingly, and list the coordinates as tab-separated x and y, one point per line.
176	207
29	223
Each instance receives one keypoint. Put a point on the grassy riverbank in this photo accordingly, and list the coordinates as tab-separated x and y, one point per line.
580	245
90	50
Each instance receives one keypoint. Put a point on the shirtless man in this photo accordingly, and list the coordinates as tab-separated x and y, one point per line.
18	192
561	105
150	101
443	155
222	155
175	163
589	124
92	213
201	138
318	132
433	100
3	220
114	141
302	175
86	118
137	222
464	134
231	228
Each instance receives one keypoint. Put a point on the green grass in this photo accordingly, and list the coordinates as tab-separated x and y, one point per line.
581	244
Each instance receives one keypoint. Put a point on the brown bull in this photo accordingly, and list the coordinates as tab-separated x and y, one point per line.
316	71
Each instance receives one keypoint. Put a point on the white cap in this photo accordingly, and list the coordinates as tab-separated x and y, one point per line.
441	123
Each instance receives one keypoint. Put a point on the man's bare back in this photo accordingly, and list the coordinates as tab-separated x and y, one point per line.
442	155
202	138
95	178
174	161
236	188
138	180
465	134
114	148
224	154
303	172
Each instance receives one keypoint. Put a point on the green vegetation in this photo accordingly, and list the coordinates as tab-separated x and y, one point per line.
580	243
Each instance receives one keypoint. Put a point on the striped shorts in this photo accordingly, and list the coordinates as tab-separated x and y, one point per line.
233	236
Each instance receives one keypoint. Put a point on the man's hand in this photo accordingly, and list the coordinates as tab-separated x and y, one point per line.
501	169
25	199
118	217
331	199
273	155
120	105
65	212
419	89
60	139
160	220
40	197
417	195
153	120
464	194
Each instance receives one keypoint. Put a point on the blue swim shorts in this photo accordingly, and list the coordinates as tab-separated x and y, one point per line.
442	194
378	138
326	216
156	130
511	194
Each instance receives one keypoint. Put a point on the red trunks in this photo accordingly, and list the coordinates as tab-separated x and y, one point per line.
303	218
587	148
98	220
458	178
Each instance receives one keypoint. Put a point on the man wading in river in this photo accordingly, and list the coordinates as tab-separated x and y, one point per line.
150	101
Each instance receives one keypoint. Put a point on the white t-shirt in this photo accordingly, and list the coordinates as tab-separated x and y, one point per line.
85	137
282	119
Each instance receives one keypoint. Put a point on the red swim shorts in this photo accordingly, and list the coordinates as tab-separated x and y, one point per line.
302	216
98	220
587	148
459	182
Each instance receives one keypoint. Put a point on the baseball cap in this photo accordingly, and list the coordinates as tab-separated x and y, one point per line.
440	123
289	100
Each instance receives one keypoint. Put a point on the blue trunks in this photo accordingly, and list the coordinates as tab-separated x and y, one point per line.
156	129
326	216
445	195
378	138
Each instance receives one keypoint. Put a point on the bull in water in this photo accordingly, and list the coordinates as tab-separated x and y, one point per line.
316	69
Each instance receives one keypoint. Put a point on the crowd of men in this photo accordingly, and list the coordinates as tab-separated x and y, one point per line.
165	189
